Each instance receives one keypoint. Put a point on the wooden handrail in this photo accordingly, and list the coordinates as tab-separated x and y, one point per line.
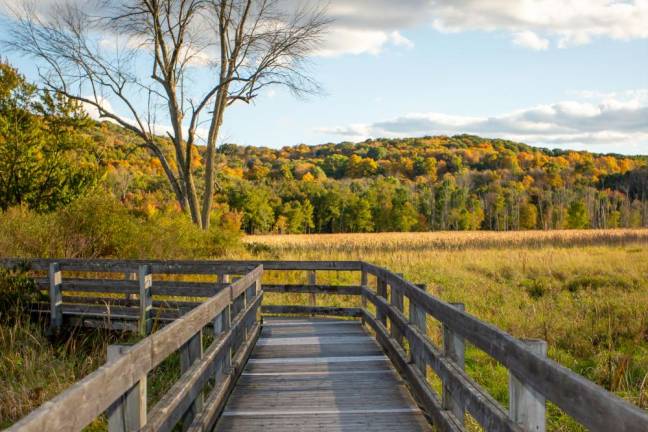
177	266
583	400
85	400
586	402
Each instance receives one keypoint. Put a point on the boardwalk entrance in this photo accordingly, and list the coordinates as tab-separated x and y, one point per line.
350	351
318	375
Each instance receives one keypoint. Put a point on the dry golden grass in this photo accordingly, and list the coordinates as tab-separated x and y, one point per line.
585	292
362	242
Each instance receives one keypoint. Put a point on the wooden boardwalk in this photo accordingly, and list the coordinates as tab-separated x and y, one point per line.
319	374
294	374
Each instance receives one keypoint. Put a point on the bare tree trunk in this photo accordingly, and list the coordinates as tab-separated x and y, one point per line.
260	45
208	197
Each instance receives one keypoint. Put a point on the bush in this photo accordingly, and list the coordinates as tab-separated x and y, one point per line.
16	292
98	226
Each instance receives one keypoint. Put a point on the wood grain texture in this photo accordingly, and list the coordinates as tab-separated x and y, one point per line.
314	310
313	288
586	402
86	399
305	394
478	402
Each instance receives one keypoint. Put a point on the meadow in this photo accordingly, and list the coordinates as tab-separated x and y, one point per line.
585	292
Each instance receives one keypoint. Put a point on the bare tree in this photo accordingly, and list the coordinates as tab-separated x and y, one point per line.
137	63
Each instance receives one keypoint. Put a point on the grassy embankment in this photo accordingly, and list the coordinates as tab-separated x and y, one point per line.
585	292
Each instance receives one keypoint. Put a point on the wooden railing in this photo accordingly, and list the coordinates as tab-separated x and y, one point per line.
119	387
395	309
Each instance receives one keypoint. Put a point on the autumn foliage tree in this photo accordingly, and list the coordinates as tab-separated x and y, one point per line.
45	160
136	62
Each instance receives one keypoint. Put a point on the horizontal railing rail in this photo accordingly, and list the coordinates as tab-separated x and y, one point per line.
395	309
588	403
233	314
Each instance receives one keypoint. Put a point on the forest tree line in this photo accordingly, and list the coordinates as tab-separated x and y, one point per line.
51	153
421	184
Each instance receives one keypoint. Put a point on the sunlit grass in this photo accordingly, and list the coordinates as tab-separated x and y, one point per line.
584	292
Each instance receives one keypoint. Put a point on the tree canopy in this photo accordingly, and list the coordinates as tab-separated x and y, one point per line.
46	159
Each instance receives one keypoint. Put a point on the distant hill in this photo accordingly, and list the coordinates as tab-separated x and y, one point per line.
431	183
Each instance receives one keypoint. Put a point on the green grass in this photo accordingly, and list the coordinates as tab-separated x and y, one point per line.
588	302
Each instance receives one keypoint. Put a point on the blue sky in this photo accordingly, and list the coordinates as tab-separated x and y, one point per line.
462	74
571	74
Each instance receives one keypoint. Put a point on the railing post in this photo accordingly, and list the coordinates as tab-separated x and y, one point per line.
250	293
226	320
257	314
131	276
454	348
526	406
381	290
397	302
191	352
364	281
145	300
56	297
418	319
223	278
312	280
128	413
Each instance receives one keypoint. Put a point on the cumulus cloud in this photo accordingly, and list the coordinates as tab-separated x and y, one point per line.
528	39
369	26
533	24
572	22
615	121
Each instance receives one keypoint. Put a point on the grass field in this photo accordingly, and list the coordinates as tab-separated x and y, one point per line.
585	292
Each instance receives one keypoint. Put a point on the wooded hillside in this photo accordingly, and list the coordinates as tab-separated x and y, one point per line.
416	184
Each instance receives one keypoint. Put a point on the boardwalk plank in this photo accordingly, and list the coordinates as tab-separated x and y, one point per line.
314	375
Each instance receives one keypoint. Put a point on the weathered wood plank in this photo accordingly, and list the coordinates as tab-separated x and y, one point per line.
477	401
290	389
381	290
588	403
417	381
418	318
178	266
145	280
396	300
179	399
315	310
56	299
85	400
190	353
312	280
118	286
112	301
313	289
214	404
454	349
526	406
128	413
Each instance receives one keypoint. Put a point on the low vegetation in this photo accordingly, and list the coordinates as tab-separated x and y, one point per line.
72	187
430	183
584	292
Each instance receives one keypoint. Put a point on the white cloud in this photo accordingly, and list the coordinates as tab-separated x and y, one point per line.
570	22
528	39
341	41
93	112
368	26
534	24
613	122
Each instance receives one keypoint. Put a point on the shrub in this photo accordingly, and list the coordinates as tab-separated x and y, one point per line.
98	226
